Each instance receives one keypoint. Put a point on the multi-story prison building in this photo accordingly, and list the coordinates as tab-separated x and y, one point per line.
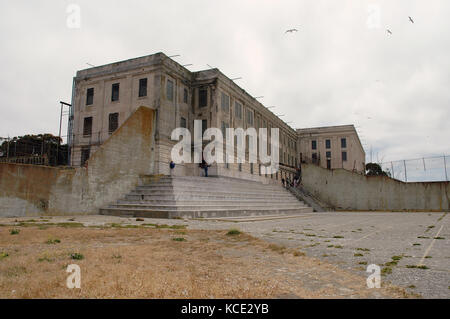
105	96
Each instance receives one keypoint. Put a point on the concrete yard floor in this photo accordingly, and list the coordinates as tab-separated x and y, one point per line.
412	249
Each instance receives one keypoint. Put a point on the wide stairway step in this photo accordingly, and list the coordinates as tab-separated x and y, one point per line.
200	197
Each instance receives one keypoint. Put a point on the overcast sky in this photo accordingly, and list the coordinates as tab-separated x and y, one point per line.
341	67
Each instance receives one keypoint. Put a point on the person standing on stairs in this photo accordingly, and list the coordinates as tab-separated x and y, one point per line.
205	166
172	166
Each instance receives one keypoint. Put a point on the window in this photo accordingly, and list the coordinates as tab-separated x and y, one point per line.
87	127
314	145
143	87
238	110
314	157
183	122
343	142
90	96
344	156
113	122
85	153
240	167
328	154
224	128
169	92
327	143
185	96
202	97
225	103
250	117
251	168
115	92
204	126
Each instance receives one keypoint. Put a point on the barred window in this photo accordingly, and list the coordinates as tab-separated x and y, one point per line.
169	92
143	87
87	126
90	96
115	92
238	110
113	122
202	97
225	102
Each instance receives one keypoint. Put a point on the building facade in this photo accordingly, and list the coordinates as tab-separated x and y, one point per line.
332	147
105	96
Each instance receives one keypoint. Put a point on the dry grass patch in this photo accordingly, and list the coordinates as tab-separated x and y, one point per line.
145	262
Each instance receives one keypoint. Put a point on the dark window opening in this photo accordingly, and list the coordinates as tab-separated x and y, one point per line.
85	153
328	164
328	143
143	87
185	96
115	92
113	122
328	154
238	110
202	97
183	122
314	157
225	103
344	156
90	96
314	145
87	127
204	126
343	142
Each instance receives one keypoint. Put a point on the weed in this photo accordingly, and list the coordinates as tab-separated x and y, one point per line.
14	231
362	263
338	236
386	271
3	255
178	239
439	238
412	286
233	232
363	249
76	256
358	255
416	244
51	241
417	266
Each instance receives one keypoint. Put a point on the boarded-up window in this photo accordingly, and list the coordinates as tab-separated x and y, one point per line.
225	103
143	87
85	153
90	96
202	97
113	122
115	92
87	126
169	90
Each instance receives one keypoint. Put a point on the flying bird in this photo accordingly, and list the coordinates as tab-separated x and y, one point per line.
291	30
411	19
389	31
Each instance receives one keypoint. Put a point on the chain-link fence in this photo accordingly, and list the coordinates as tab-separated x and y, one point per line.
426	169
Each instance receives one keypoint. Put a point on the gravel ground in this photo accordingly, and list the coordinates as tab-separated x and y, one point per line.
397	242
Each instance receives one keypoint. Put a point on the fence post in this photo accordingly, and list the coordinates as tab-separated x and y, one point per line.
404	165
445	168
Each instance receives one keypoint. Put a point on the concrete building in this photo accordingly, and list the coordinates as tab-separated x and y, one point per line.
105	96
332	147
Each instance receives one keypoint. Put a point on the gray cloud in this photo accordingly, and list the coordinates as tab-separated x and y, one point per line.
335	70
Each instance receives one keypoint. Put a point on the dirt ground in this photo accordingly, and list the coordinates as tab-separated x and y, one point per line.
161	261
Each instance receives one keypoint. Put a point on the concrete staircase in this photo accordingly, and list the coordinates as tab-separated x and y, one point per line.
206	197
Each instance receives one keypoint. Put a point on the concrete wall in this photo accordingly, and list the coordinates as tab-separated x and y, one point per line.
345	190
113	170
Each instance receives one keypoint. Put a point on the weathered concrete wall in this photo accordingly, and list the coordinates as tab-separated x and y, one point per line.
113	170
345	190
